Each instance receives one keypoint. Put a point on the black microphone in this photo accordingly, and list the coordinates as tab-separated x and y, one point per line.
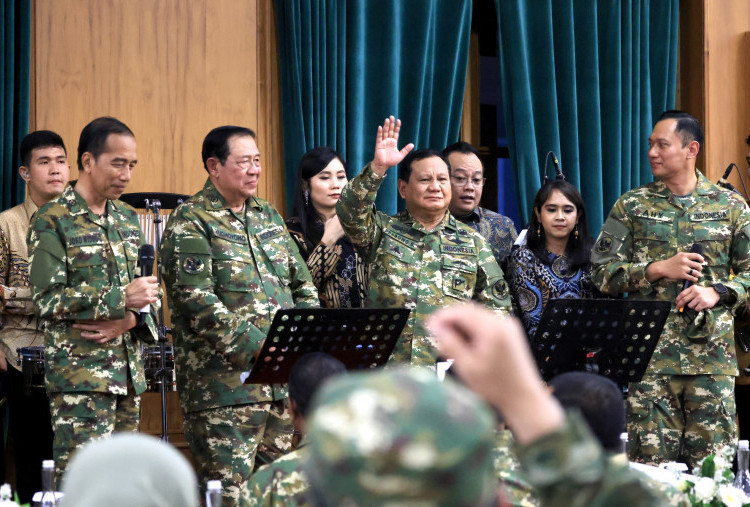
696	248
560	175
723	183
146	265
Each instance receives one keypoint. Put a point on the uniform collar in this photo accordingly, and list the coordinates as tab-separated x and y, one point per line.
77	205
213	200
703	187
449	221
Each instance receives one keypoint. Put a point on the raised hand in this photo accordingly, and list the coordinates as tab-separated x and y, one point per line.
387	153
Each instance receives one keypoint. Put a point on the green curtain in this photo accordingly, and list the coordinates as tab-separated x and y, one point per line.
349	64
585	79
14	88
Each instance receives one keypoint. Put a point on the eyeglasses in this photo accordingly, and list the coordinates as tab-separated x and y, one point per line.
461	181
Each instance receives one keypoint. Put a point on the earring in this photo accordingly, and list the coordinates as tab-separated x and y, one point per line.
307	197
576	231
538	230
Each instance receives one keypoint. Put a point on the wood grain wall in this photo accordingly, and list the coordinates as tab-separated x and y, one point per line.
171	70
715	79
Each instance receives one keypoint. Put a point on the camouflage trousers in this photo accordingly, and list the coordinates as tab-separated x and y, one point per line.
680	417
227	442
80	417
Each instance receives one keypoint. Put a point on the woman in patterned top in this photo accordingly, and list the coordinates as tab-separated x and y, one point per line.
337	271
555	261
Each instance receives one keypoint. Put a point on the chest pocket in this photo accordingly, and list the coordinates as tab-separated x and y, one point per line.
233	268
395	257
651	238
275	247
88	264
715	236
459	276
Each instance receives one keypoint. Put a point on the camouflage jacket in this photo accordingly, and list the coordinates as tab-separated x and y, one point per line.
648	224
282	482
411	267
568	468
498	230
226	274
517	491
80	266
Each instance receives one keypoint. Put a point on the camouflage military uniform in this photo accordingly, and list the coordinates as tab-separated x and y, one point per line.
226	274
691	374
499	231
411	267
515	488
568	468
80	266
282	482
400	437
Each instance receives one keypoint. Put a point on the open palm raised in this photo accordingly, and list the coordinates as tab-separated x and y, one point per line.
387	153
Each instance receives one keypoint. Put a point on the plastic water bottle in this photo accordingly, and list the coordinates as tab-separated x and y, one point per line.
48	484
213	494
742	479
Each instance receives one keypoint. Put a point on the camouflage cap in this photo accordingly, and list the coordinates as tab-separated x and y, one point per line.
400	437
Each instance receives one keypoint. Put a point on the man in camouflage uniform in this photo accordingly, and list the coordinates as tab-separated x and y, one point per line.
229	263
421	258
559	456
284	481
467	182
83	250
45	170
684	408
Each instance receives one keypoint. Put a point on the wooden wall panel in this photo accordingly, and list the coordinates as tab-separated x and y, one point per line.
170	69
727	56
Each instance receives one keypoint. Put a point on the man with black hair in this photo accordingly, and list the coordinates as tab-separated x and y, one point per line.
83	250
229	264
422	258
284	481
683	409
467	182
45	169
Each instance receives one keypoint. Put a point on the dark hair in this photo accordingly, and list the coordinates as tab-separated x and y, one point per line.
314	161
688	127
577	250
94	136
39	139
404	168
465	148
216	143
599	401
308	374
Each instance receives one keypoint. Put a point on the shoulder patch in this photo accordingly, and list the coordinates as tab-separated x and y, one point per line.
193	265
604	245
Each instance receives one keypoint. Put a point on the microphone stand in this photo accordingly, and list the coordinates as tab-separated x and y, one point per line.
154	205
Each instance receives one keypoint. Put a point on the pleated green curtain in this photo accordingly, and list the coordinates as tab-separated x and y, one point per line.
14	89
586	79
349	64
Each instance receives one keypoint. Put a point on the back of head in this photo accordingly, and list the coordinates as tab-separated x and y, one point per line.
129	469
404	168
688	127
216	142
308	374
400	436
39	139
598	399
94	136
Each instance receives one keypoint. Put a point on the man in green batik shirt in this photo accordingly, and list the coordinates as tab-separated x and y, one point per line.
422	258
684	409
83	250
229	263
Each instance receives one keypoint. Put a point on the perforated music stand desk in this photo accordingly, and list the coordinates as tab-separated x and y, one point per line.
611	337
358	337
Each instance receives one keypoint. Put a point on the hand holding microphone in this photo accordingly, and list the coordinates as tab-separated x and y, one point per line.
144	289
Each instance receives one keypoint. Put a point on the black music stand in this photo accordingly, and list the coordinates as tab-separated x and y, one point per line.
358	337
612	337
154	202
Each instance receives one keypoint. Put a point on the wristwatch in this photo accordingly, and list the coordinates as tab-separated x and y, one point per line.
722	290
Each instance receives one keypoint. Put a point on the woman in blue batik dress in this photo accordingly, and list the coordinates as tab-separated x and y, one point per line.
555	261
